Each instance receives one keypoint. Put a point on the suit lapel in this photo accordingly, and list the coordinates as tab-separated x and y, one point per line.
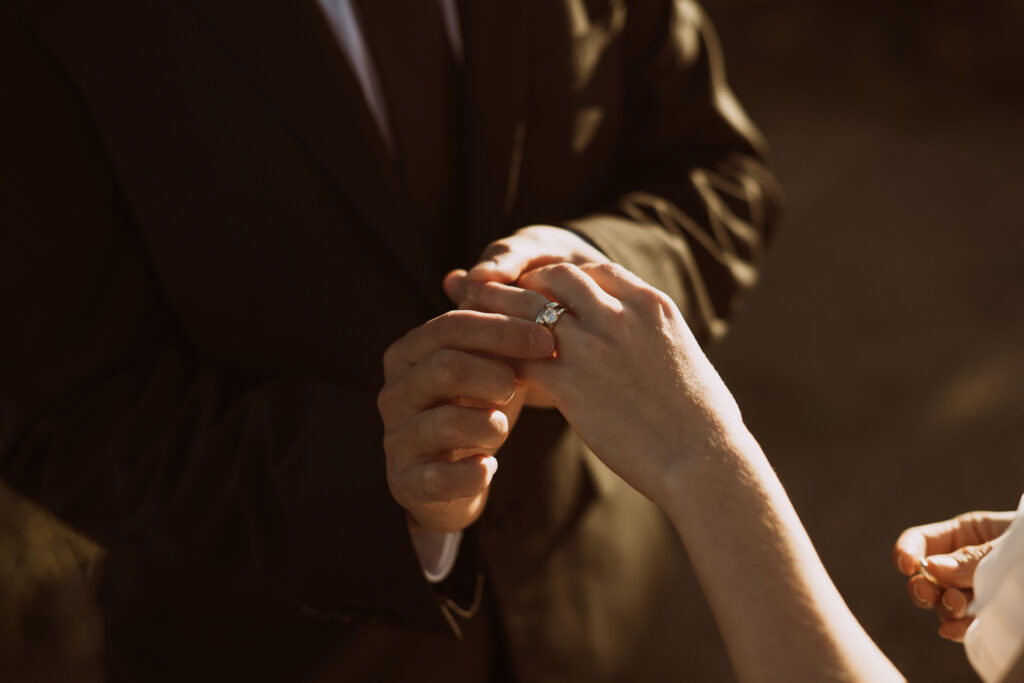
288	50
495	80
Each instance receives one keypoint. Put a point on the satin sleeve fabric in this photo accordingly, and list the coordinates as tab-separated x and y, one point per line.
994	641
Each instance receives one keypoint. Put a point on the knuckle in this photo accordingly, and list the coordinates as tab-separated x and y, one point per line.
499	247
668	307
968	519
972	554
565	271
448	368
444	431
651	300
386	399
445	323
437	482
430	481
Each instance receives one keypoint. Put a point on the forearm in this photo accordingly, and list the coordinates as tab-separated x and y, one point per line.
779	612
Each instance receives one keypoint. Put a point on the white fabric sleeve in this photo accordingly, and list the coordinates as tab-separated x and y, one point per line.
994	640
437	552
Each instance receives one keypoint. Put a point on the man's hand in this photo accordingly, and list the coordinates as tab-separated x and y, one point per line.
504	260
629	377
448	405
953	549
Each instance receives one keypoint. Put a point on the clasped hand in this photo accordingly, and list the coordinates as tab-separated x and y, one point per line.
629	377
953	548
451	396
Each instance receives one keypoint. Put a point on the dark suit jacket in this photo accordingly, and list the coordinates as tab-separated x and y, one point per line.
206	250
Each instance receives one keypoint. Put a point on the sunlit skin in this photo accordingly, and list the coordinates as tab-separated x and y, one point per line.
448	403
953	549
632	381
630	378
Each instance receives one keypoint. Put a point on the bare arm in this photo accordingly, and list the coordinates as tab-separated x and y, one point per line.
631	379
779	612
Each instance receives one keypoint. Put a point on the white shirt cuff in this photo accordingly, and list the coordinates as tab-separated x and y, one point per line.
437	553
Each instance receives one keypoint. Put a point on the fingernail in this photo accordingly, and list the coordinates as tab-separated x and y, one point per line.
946	603
917	593
942	562
926	572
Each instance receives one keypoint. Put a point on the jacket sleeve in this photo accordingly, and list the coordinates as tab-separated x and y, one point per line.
694	204
113	420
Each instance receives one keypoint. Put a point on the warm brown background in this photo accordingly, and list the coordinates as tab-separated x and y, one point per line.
881	362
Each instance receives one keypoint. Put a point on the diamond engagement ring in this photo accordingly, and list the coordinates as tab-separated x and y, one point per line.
548	315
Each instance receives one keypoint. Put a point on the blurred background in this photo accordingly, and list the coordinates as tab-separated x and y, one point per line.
881	360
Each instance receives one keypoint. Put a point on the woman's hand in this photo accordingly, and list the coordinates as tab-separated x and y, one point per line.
629	376
953	549
631	380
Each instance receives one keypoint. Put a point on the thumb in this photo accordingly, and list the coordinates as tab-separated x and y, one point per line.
455	286
505	267
957	568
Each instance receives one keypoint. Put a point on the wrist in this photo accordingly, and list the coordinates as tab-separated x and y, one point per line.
446	517
435	550
719	456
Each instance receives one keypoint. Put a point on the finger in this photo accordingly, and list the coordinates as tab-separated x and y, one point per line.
922	592
517	302
957	568
447	428
491	333
506	259
493	297
455	286
439	481
954	602
969	528
573	288
447	375
548	377
615	279
955	630
917	542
